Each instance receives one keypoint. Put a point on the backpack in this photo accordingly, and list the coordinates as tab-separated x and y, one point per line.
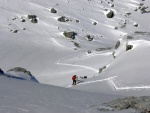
73	77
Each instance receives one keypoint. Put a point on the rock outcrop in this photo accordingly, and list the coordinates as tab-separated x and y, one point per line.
20	73
141	104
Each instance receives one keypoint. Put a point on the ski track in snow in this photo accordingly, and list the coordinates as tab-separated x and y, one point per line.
113	85
86	67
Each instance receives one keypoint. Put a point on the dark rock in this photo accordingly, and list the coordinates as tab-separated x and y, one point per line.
34	20
113	54
101	69
14	18
128	13
117	44
70	34
94	23
53	10
135	24
89	37
32	16
112	5
63	19
89	51
23	20
110	14
77	21
14	31
129	47
116	28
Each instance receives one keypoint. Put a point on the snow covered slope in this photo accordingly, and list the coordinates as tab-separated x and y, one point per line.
19	96
41	47
105	40
38	43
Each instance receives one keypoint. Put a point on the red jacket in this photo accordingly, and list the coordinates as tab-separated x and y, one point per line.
73	77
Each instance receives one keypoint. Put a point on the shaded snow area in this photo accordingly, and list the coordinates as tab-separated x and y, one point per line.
28	97
106	43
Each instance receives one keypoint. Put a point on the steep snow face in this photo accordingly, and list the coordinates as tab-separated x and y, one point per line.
38	43
131	67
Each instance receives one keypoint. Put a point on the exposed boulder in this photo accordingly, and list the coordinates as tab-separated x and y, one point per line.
94	23
23	20
112	5
14	31
143	10
101	69
70	34
63	19
89	37
110	14
113	54
116	28
135	24
129	47
77	21
89	51
128	13
33	18
53	10
117	44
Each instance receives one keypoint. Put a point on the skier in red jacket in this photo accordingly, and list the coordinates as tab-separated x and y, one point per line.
74	79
